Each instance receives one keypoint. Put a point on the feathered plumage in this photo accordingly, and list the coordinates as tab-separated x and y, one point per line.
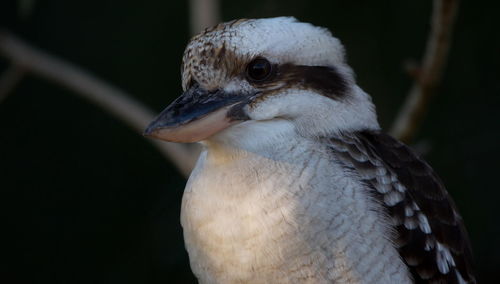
297	183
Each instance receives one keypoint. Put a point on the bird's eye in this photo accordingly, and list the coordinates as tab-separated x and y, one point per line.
259	69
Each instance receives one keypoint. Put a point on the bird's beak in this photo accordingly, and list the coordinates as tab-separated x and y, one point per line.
196	115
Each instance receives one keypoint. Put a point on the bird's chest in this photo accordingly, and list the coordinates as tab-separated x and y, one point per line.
248	218
234	211
271	220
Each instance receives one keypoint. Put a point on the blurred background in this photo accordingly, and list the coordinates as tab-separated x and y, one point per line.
87	199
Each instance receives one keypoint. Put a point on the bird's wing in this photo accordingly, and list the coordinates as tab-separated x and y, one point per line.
431	237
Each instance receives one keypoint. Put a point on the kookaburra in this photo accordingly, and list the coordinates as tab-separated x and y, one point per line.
296	182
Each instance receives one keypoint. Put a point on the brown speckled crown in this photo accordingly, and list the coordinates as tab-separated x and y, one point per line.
209	59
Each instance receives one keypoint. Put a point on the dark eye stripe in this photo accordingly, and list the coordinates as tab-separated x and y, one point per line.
326	80
322	79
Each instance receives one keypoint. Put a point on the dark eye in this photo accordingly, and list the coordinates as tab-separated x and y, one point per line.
259	69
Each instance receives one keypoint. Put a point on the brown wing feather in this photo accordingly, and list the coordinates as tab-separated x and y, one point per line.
431	237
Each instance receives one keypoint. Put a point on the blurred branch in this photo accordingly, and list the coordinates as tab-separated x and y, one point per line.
429	73
111	99
203	14
9	80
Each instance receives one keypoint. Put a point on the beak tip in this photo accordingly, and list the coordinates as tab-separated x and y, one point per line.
148	132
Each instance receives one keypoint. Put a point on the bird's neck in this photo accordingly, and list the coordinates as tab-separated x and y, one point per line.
262	138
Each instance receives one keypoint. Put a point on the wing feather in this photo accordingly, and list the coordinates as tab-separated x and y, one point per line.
431	237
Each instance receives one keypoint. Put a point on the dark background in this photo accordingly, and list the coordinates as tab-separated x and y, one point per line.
87	200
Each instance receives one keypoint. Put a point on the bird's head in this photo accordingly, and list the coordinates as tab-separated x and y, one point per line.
254	72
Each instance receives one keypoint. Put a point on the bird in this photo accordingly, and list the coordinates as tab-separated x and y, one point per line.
297	182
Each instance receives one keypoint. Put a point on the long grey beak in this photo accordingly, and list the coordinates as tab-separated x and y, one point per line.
196	115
